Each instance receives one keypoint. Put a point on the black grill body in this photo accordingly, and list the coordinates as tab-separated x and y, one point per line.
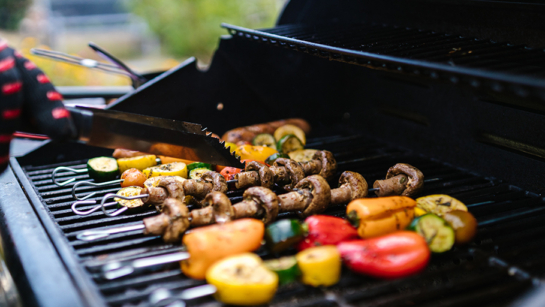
380	83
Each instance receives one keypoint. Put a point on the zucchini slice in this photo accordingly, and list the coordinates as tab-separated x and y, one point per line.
270	160
264	139
437	232
129	191
102	168
290	129
198	172
140	162
154	181
170	169
197	169
289	143
302	155
286	268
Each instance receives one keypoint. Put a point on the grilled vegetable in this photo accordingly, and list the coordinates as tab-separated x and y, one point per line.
127	192
139	162
374	217
264	139
395	255
154	181
249	132
290	129
289	143
229	172
242	280
258	153
133	177
286	268
208	244
102	168
320	266
439	204
437	232
270	160
283	234
302	155
197	169
464	225
170	169
326	230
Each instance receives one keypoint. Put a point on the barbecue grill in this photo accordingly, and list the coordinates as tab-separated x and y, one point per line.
455	88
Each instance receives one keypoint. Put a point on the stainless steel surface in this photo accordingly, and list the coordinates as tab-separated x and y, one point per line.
114	129
116	270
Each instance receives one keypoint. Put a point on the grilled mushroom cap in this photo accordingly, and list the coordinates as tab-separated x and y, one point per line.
295	171
353	182
265	174
221	207
267	199
179	221
329	164
416	178
172	223
320	191
174	187
219	184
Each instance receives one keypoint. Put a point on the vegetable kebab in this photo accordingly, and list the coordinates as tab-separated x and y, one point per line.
156	190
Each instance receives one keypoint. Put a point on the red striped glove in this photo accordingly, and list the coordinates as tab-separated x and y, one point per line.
27	95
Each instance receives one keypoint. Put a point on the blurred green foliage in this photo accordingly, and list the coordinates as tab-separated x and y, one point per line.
11	13
192	27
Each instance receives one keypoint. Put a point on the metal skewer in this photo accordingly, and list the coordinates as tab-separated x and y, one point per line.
117	269
164	297
103	204
370	190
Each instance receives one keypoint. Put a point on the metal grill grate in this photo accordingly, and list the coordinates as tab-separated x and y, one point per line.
505	259
483	64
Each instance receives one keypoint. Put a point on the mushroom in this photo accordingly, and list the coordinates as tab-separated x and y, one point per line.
172	223
209	181
217	209
351	186
258	202
311	195
294	172
255	174
401	179
323	163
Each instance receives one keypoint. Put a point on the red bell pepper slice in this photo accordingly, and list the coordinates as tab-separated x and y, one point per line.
395	255
327	230
229	172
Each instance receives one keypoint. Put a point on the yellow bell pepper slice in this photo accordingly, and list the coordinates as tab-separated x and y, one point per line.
242	280
140	162
320	266
206	245
170	169
258	153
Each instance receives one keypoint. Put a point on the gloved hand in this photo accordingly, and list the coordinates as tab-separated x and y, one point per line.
27	96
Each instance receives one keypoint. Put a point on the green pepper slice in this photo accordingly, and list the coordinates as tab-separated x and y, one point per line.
283	234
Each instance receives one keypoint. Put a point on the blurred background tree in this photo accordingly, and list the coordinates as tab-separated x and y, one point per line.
192	28
12	12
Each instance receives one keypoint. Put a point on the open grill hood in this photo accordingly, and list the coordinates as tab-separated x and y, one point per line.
381	83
